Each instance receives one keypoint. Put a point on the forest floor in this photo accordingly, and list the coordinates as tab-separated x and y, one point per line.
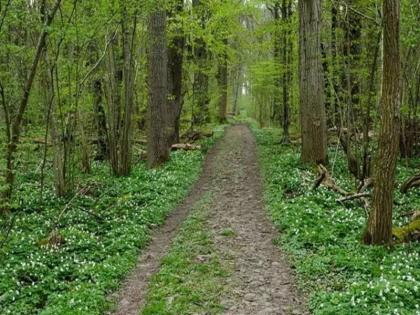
223	258
322	236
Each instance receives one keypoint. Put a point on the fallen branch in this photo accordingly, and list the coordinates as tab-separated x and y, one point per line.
326	180
362	197
410	183
185	146
192	135
354	196
407	233
365	184
415	214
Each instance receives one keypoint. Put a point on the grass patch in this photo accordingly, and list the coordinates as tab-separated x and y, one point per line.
228	232
103	230
190	280
323	238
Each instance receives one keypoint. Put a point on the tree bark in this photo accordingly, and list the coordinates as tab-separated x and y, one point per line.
102	152
158	146
222	79
379	228
334	101
277	55
236	90
286	12
120	95
128	90
366	170
311	84
201	78
175	77
113	86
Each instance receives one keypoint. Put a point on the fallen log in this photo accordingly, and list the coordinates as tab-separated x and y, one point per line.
40	141
410	183
192	135
185	147
407	233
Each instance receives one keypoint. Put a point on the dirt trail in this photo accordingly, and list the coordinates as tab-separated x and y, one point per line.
262	282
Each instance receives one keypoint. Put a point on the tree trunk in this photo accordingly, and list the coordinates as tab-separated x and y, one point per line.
102	152
59	161
379	228
350	82
157	142
286	66
352	30
128	90
277	53
120	95
62	127
17	121
201	78
175	77
113	93
367	116
236	90
334	101
312	108
222	79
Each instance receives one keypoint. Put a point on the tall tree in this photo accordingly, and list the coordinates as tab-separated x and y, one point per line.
311	84
102	151
275	10
379	229
222	80
287	73
13	128
201	97
157	142
175	68
128	48
120	96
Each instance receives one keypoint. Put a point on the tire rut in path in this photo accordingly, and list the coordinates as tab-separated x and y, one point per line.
261	283
133	293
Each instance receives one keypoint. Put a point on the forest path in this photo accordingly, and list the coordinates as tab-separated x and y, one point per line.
261	282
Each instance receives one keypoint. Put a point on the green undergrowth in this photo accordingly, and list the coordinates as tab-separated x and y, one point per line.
340	274
99	235
190	280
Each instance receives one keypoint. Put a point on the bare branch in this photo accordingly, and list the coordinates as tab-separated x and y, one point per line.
355	196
